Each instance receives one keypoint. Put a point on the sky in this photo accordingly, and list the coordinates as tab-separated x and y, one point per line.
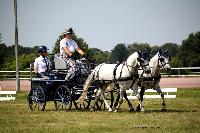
101	23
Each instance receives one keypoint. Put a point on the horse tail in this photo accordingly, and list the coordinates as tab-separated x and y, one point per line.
87	84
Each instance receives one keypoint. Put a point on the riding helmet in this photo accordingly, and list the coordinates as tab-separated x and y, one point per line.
42	49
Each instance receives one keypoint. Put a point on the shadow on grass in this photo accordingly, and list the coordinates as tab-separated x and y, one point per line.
124	111
170	111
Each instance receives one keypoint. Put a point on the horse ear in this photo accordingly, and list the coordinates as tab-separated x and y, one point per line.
139	53
160	51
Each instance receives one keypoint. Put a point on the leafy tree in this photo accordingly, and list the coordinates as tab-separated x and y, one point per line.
138	47
0	38
95	55
189	51
154	50
3	52
119	53
172	48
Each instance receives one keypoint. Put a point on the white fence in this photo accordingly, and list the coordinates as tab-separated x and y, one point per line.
26	74
148	94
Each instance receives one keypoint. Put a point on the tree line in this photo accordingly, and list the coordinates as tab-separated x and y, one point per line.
187	54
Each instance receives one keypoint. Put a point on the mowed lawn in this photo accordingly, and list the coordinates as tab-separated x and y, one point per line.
183	115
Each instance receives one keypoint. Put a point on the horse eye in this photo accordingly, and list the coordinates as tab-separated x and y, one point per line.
161	59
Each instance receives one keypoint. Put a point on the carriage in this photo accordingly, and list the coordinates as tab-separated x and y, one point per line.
64	92
87	84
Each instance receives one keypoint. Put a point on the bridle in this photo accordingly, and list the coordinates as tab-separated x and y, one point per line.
161	62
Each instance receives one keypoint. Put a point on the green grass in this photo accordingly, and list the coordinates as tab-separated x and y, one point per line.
183	115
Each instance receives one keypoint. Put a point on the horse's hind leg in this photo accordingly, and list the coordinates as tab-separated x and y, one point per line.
97	98
104	98
120	100
117	100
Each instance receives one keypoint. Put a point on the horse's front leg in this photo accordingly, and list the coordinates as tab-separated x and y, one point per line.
128	101
121	93
140	107
163	98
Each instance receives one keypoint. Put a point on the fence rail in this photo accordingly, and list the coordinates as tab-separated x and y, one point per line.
26	74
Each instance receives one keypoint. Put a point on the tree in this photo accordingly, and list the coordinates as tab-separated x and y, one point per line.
3	54
138	47
119	53
154	50
0	38
95	55
189	51
172	48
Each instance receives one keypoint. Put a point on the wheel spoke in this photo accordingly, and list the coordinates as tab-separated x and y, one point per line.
36	98
62	98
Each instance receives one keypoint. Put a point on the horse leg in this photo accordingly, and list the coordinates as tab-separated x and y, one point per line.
129	103
104	98
97	97
117	100
120	100
163	98
140	107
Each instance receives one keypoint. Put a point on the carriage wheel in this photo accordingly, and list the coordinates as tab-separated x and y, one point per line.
36	99
100	103
62	98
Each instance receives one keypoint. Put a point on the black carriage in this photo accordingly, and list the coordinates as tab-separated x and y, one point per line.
64	92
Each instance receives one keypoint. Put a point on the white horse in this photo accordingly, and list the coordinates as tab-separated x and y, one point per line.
159	62
107	74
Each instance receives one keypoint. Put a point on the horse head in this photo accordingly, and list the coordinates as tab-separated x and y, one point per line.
164	59
143	59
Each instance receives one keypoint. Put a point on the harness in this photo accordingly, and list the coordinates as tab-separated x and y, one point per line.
131	77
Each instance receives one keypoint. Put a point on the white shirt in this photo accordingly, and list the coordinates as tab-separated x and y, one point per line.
69	43
40	64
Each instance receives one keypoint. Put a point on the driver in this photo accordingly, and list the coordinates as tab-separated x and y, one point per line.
42	63
67	48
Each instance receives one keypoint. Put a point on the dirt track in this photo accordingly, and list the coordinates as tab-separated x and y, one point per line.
165	83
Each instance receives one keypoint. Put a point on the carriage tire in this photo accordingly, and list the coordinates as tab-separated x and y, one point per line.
36	99
63	98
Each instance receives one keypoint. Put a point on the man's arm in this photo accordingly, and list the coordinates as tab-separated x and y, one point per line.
80	51
67	51
35	66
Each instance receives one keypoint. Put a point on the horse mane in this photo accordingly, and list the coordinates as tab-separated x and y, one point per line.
130	59
154	60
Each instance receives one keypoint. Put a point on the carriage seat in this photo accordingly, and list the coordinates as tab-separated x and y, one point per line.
59	63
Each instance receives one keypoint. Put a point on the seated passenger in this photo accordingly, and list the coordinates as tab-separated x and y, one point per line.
42	63
67	48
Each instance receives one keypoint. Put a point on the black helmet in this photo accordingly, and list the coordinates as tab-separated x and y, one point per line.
69	31
42	49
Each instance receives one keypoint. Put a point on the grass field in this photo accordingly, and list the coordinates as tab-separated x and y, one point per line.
183	115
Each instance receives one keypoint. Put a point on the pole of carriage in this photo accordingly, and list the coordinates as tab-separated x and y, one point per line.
16	48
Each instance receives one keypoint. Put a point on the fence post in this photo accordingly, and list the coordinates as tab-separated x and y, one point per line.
16	48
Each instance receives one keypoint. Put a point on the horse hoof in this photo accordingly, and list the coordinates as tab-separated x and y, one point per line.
115	111
138	109
143	109
92	109
109	110
163	110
